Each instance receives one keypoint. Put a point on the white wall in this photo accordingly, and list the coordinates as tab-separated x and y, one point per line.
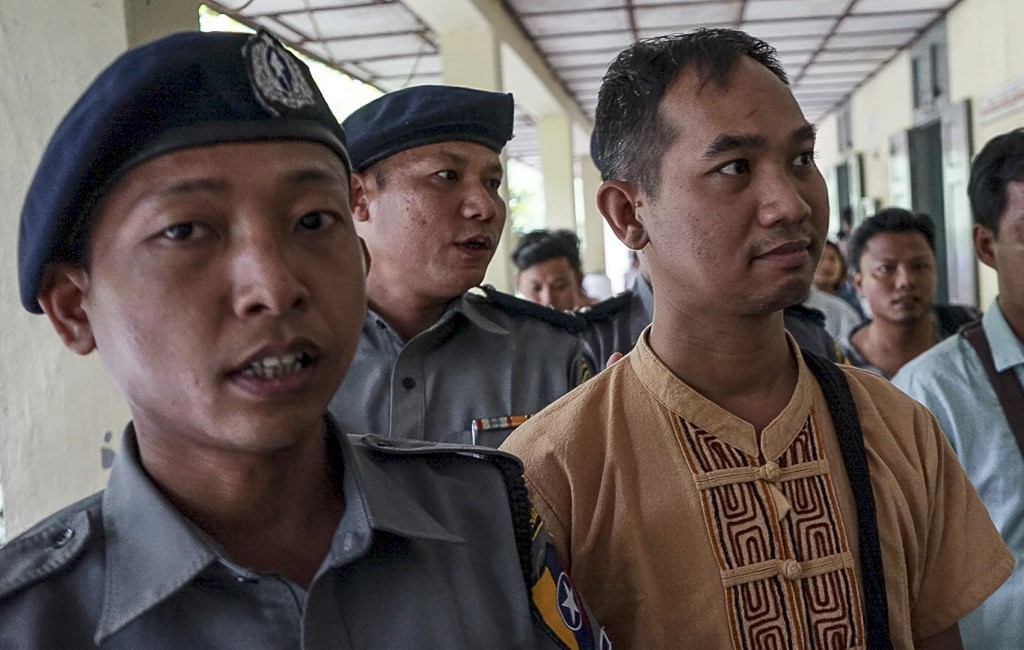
882	107
57	410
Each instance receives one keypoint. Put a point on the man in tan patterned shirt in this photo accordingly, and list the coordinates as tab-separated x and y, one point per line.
703	490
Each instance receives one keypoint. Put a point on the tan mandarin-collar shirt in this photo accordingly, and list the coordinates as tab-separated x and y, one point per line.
682	532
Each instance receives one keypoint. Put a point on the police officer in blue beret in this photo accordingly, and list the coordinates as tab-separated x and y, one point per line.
190	221
436	361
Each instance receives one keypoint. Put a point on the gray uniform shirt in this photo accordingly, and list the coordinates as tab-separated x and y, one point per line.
615	324
424	557
483	360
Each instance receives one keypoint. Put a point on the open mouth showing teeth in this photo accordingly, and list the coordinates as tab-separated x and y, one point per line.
274	367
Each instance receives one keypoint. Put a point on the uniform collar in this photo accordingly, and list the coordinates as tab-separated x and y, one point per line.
153	550
1007	349
696	409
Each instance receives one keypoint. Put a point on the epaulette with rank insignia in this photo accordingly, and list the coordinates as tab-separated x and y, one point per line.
519	307
607	309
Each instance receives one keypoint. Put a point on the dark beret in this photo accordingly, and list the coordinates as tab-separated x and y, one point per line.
185	90
421	115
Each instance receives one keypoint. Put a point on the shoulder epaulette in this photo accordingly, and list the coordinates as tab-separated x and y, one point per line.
48	547
803	312
607	309
510	467
411	447
524	308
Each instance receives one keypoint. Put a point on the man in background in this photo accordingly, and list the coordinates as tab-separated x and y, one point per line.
549	271
972	382
893	257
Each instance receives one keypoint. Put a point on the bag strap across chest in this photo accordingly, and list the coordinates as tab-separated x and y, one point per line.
851	442
1005	384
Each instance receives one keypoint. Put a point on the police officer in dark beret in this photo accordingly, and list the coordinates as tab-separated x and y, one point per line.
190	221
436	361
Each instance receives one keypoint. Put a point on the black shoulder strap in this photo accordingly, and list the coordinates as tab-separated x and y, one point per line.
519	501
519	307
851	441
1007	388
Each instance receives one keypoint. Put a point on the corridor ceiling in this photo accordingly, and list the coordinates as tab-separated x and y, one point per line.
828	47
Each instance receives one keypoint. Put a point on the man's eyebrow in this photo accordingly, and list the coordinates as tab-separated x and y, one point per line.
201	185
496	169
805	132
448	157
314	175
445	156
727	142
190	186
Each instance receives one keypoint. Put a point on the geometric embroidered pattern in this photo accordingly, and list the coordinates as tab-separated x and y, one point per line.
782	551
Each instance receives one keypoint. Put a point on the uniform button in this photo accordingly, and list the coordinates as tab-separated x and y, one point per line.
408	383
61	539
791	570
771	471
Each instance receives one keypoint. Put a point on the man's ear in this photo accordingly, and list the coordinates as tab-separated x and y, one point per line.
857	278
358	186
984	245
618	202
62	299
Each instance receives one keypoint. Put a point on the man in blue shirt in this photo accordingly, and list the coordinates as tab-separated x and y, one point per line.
952	381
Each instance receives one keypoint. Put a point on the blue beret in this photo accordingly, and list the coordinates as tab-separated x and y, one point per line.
421	115
186	90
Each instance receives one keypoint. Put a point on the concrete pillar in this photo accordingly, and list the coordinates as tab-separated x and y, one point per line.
59	415
471	57
554	136
593	222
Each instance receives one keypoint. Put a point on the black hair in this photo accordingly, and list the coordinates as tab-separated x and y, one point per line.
543	245
630	135
999	162
889	220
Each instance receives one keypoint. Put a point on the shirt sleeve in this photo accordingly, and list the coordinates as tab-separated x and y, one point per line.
558	608
963	559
